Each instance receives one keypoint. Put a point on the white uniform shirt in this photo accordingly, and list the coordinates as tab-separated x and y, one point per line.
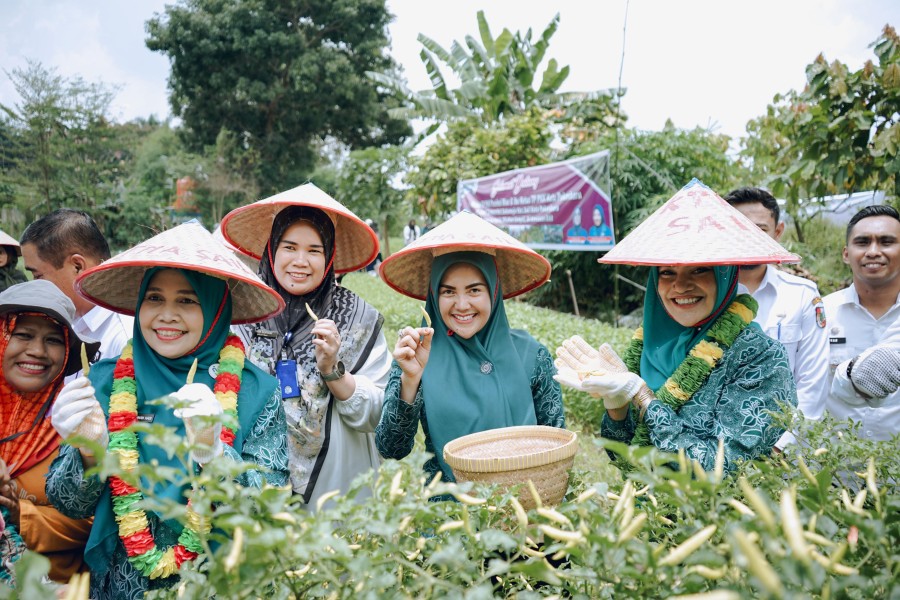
111	328
791	311
852	329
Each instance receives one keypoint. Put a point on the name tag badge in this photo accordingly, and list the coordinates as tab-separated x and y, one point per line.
837	340
146	418
286	372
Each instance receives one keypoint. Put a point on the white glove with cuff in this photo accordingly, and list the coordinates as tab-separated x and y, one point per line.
76	412
198	427
876	372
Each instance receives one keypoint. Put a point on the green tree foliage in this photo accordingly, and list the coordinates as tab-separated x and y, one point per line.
840	134
367	184
59	147
470	148
280	75
498	76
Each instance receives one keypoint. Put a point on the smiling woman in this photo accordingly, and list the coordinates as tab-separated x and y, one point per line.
470	372
326	348
698	373
38	347
185	304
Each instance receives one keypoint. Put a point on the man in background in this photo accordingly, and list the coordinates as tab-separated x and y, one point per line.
790	308
60	246
861	316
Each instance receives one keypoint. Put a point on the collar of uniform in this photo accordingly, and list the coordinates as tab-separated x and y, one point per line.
93	320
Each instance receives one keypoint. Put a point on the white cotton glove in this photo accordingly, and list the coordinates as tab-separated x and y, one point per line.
599	372
616	389
76	412
199	430
876	372
577	354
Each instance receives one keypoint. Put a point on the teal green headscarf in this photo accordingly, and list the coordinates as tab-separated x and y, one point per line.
666	343
157	376
480	383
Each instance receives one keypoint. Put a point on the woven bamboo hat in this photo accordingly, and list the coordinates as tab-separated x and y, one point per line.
248	228
8	240
697	227
115	283
520	268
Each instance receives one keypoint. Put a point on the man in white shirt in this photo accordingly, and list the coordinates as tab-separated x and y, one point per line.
790	308
860	317
58	247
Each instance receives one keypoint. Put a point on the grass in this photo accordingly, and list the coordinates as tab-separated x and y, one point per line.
547	326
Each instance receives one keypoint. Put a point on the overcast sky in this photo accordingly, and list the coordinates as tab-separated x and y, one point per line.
708	63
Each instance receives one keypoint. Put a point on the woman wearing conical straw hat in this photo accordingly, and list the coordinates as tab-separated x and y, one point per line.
185	290
9	258
326	348
698	371
470	372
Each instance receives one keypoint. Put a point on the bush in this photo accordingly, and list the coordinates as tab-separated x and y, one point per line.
819	522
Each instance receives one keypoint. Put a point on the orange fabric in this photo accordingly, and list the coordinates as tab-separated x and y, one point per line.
46	530
18	411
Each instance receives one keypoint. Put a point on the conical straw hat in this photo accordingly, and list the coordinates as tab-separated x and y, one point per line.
249	261
520	268
248	228
697	227
8	240
115	283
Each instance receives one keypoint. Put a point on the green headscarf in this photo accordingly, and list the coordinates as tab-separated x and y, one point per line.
666	343
480	383
157	376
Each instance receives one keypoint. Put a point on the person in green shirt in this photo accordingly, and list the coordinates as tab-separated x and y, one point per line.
699	372
465	370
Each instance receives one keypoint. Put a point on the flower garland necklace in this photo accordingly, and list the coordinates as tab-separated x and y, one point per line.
694	370
134	529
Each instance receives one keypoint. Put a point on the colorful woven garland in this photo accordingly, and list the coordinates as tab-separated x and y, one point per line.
694	370
134	529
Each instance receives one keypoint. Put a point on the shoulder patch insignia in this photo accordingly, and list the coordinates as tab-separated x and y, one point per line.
816	300
820	312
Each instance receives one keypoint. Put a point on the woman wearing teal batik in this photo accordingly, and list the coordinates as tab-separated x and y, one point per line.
471	371
698	372
185	290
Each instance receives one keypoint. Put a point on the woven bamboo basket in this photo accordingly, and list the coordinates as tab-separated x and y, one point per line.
513	455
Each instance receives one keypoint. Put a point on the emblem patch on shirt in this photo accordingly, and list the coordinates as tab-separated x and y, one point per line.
820	311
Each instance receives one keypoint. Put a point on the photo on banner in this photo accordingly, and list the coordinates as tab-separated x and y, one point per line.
558	206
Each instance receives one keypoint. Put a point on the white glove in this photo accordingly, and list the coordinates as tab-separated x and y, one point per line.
201	402
876	372
577	354
76	412
616	389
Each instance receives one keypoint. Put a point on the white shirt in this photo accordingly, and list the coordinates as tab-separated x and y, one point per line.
351	447
112	329
892	335
791	311
852	329
410	234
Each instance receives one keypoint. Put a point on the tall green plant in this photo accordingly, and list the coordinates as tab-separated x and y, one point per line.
60	146
840	134
498	76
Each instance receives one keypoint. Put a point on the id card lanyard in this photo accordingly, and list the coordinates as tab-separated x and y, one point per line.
286	371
